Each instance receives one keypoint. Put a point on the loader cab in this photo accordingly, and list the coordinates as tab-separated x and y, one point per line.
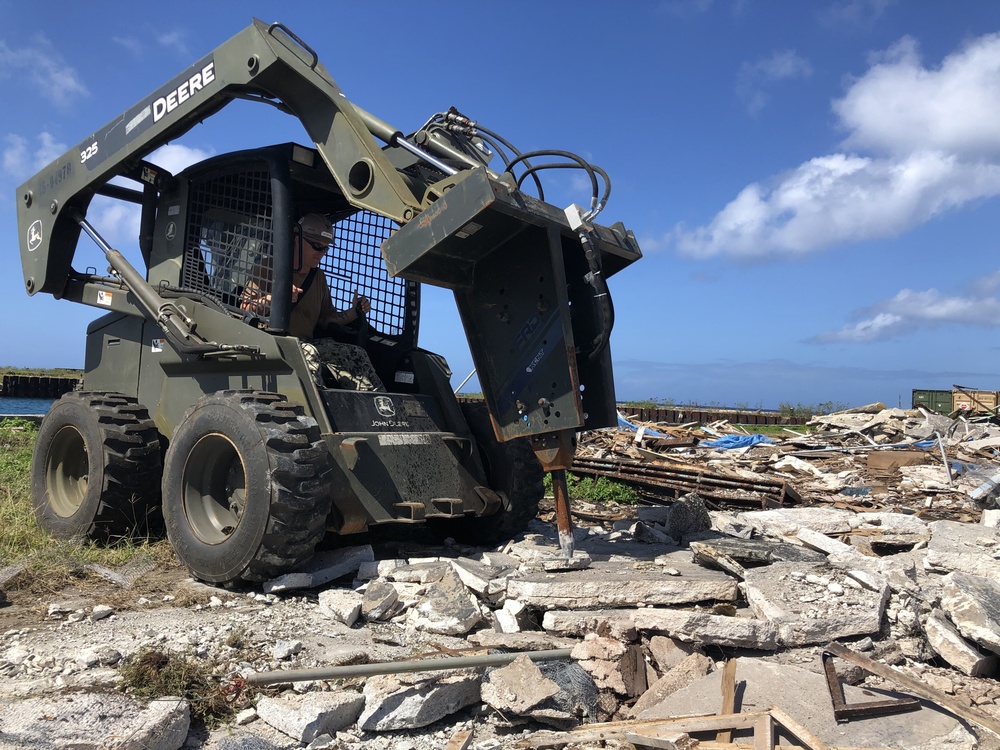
229	221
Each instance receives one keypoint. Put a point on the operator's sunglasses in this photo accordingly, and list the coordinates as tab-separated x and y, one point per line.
319	247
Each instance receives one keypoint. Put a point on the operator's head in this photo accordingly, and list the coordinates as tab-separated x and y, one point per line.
317	231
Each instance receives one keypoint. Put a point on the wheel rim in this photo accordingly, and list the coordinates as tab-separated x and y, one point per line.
67	471
214	489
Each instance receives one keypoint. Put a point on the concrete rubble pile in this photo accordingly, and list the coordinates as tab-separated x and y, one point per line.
675	624
867	458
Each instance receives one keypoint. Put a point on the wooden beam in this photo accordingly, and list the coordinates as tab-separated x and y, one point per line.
460	740
616	729
763	733
803	735
728	687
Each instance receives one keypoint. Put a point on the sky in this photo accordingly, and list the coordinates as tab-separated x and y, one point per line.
814	186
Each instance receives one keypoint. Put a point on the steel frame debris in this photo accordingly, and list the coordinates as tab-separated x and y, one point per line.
844	711
762	493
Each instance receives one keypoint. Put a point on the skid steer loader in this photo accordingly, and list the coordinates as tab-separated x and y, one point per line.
206	415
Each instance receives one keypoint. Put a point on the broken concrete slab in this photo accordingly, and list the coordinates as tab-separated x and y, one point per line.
518	687
608	584
94	721
683	674
305	717
529	641
514	617
893	523
487	581
804	695
948	643
811	604
973	603
342	605
668	652
373	569
782	522
602	658
380	601
447	608
395	702
323	567
822	543
733	555
423	573
965	547
693	627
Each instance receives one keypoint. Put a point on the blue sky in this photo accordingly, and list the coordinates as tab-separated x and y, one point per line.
814	184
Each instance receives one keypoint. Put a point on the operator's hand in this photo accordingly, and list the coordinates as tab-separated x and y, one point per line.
296	291
361	303
256	303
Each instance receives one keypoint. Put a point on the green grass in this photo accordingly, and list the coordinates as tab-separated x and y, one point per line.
596	489
49	564
155	674
58	372
19	534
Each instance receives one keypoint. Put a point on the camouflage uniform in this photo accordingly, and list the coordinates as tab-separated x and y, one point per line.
347	364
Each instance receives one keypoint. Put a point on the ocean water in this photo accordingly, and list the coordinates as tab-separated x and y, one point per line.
25	405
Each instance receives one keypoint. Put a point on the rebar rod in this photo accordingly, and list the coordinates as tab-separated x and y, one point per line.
398	667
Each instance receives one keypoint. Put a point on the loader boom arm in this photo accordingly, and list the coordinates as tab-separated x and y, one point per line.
263	62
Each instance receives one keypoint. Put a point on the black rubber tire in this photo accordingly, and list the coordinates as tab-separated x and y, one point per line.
245	487
511	470
95	472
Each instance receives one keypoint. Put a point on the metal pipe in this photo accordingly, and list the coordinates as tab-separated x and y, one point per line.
400	141
944	458
390	135
398	667
462	384
167	315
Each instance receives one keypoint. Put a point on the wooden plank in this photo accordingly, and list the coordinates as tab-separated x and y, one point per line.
669	740
763	733
728	687
460	740
917	687
810	740
713	745
616	729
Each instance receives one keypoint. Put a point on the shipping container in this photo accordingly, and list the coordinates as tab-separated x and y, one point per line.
974	401
936	401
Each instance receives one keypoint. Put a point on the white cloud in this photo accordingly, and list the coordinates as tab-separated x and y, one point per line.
909	310
934	147
863	13
839	198
755	79
174	40
131	43
21	161
175	157
118	221
899	106
42	67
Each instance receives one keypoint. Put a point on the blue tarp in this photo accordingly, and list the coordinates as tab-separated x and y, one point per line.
624	424
727	442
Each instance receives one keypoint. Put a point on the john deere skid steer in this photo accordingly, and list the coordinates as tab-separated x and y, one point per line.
205	414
